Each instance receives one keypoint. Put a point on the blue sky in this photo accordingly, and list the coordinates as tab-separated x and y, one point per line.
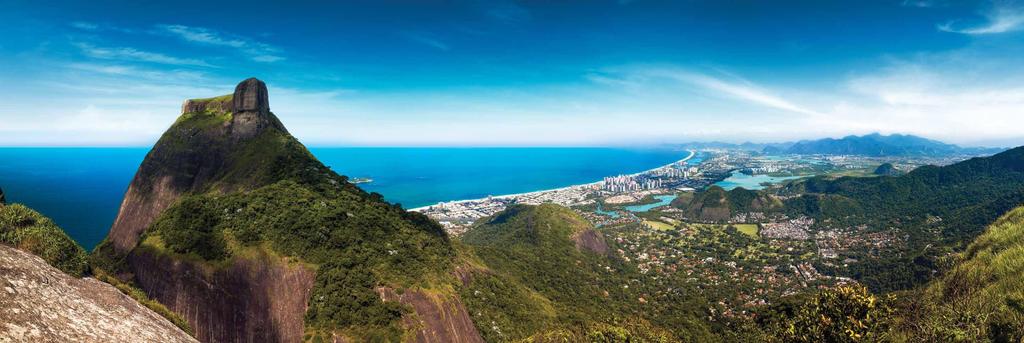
526	73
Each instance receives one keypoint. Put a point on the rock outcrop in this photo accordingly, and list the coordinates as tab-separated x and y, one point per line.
258	299
590	240
435	317
41	304
191	159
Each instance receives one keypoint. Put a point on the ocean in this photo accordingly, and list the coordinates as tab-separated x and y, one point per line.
81	188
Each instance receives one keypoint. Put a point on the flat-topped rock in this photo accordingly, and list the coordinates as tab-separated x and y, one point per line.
251	95
221	104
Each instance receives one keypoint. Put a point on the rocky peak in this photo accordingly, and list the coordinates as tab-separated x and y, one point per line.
251	95
251	107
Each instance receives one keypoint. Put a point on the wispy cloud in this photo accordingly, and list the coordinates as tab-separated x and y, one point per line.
82	25
96	27
132	54
256	51
1004	16
426	39
924	3
742	90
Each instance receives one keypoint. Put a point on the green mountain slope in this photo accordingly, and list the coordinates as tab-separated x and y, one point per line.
982	297
715	204
535	280
937	210
232	223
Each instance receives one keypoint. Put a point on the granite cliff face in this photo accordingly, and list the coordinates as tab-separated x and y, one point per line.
232	224
196	158
42	304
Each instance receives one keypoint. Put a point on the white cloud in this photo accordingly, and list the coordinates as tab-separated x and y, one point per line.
1004	16
132	54
743	91
257	51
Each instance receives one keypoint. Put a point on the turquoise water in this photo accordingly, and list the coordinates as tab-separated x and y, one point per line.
612	214
81	188
662	201
752	182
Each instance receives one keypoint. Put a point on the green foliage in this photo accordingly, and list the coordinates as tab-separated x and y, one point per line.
30	231
843	314
982	297
538	282
188	227
605	333
715	204
358	242
939	209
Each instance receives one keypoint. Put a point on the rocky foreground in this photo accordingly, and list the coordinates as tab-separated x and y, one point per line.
42	304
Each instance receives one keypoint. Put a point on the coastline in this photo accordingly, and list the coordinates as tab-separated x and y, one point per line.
570	187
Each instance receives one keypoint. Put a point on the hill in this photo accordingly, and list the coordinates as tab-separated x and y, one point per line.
882	145
234	225
715	204
982	297
937	210
537	279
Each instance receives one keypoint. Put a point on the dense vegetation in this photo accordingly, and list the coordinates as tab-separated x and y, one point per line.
715	204
535	282
982	297
358	243
28	230
842	314
939	209
268	193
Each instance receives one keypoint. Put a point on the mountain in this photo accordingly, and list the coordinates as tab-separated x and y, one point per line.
544	274
882	145
887	169
45	299
937	210
715	204
231	223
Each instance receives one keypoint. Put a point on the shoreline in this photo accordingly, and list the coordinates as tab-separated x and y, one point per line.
513	195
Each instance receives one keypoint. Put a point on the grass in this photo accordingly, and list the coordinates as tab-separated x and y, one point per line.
748	229
30	231
657	225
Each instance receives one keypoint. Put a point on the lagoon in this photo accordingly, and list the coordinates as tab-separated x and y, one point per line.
752	182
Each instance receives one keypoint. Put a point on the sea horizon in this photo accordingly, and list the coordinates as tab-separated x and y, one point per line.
53	180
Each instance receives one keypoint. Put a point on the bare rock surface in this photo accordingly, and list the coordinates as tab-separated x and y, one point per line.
257	299
39	303
436	318
590	240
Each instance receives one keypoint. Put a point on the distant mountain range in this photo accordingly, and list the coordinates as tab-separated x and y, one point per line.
874	144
